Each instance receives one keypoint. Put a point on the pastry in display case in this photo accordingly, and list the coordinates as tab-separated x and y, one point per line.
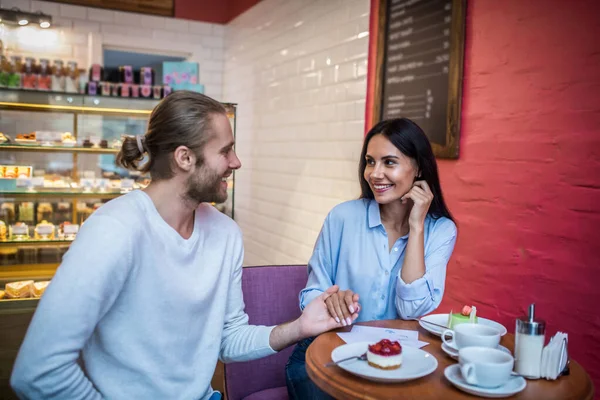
57	167
19	231
44	231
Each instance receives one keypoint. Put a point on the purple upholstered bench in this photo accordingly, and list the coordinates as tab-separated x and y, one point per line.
271	298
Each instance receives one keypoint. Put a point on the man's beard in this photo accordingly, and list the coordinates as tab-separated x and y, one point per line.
205	187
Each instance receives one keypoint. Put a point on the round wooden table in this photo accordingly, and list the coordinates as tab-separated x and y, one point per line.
343	385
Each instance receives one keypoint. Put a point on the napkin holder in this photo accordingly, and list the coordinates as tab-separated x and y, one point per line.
555	357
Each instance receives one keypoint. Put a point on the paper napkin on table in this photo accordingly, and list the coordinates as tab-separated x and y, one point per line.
554	356
373	335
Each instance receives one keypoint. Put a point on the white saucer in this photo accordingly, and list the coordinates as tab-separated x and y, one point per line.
416	363
442	319
453	353
514	385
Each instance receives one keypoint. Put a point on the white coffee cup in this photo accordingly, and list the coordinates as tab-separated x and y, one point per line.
485	367
467	335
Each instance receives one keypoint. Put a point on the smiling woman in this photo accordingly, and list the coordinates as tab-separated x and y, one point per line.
389	249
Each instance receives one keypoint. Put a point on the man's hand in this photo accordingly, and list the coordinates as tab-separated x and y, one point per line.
316	317
342	305
314	320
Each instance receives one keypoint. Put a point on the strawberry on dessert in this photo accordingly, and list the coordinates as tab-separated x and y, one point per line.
467	314
385	354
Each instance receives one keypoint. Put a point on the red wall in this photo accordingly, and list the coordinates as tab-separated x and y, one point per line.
215	11
526	188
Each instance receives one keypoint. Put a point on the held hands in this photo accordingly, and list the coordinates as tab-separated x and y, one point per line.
316	317
343	306
422	197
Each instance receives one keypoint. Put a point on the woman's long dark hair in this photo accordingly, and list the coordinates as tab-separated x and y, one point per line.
410	139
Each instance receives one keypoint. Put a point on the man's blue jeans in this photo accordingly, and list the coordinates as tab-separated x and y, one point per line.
299	385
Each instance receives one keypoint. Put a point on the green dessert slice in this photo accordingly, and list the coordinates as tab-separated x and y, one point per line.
457	318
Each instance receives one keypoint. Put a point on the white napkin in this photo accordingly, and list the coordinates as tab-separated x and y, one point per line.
554	356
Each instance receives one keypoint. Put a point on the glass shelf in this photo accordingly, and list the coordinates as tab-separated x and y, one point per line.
60	193
57	149
33	243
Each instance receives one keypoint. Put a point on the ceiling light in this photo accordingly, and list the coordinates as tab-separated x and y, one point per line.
15	16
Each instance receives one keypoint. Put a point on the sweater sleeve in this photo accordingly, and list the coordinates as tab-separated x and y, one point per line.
241	341
84	288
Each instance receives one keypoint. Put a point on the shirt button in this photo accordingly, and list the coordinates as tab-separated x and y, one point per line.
387	273
395	249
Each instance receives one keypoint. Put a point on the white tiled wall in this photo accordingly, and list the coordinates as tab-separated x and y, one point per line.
298	70
80	34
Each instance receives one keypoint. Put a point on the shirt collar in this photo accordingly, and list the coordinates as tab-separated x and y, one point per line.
374	218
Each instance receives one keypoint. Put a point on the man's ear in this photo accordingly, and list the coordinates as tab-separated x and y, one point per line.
184	158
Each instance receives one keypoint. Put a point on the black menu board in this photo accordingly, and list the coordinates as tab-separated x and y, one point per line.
419	72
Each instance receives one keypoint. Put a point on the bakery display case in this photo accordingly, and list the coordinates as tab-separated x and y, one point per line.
57	166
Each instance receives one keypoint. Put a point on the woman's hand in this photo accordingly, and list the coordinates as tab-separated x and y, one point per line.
343	306
422	197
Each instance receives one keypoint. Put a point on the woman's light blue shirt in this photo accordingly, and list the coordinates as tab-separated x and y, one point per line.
352	252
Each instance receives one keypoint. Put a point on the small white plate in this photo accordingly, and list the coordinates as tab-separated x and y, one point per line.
453	353
416	363
514	385
442	319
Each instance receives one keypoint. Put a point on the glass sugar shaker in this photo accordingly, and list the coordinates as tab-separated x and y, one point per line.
530	335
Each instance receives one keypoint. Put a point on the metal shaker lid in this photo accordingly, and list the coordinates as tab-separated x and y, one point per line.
528	325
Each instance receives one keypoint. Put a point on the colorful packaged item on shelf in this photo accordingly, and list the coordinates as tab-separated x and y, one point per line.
4	71
146	76
106	88
14	75
58	76
96	73
157	92
71	78
29	75
45	75
124	90
83	80
126	74
167	90
92	88
19	290
135	90
146	91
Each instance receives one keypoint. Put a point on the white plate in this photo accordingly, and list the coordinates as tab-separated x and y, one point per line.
514	385
453	353
442	319
416	363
